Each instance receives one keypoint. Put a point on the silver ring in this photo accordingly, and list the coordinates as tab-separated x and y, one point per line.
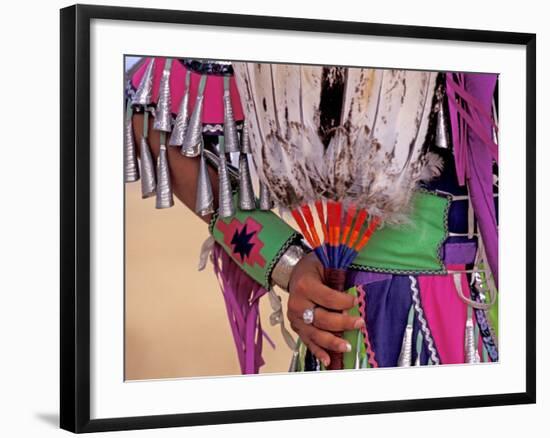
309	315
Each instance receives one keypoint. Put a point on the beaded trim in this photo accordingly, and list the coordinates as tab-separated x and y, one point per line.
210	67
485	328
207	128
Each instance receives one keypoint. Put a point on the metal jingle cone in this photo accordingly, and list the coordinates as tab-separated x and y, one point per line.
191	145
246	191
164	198
144	93
265	198
245	140
441	132
471	353
163	113
204	204
131	168
148	180
405	356
227	207
229	125
192	140
182	119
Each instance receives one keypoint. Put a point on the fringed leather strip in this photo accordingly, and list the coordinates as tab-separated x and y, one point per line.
471	355
277	318
485	330
419	343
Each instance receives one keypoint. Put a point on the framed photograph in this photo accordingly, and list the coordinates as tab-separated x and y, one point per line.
268	218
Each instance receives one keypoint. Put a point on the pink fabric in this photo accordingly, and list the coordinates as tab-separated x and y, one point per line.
213	93
446	313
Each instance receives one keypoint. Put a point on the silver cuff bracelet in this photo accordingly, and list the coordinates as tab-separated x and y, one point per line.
283	269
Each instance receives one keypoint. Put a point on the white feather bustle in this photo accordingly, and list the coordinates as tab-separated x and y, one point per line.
375	158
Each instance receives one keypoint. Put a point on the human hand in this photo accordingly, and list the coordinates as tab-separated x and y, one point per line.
308	291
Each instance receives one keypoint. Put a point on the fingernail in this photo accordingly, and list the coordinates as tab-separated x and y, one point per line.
356	301
326	362
345	348
359	323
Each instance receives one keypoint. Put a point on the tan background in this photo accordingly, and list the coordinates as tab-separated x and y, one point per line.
175	319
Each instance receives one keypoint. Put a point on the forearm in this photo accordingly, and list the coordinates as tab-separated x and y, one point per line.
183	170
184	175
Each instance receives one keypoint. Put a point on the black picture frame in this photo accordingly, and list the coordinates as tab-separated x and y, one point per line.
75	217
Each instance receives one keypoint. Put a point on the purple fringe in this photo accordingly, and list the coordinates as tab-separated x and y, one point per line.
475	150
242	298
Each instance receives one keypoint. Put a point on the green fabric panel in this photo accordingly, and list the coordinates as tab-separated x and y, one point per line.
412	247
275	234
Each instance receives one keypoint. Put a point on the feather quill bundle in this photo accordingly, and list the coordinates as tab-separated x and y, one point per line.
373	158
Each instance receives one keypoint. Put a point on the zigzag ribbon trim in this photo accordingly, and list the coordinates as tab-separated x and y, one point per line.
363	312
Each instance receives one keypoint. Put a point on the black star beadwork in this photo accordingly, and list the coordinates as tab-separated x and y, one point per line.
241	242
